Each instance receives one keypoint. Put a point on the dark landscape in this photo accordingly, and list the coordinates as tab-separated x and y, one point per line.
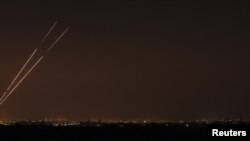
120	131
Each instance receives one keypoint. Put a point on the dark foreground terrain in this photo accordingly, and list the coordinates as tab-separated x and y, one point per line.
118	131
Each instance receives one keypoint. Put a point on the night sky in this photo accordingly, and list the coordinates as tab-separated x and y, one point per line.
130	59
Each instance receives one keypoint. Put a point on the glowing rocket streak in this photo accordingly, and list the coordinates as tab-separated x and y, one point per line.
1	102
40	59
3	95
26	63
13	81
22	68
45	37
57	40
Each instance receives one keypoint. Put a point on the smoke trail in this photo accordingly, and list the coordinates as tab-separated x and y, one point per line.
21	80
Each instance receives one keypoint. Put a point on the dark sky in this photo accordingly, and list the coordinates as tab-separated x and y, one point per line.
128	59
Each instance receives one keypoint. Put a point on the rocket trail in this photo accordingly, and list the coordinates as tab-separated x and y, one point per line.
22	68
26	63
3	95
45	37
39	60
57	40
13	81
